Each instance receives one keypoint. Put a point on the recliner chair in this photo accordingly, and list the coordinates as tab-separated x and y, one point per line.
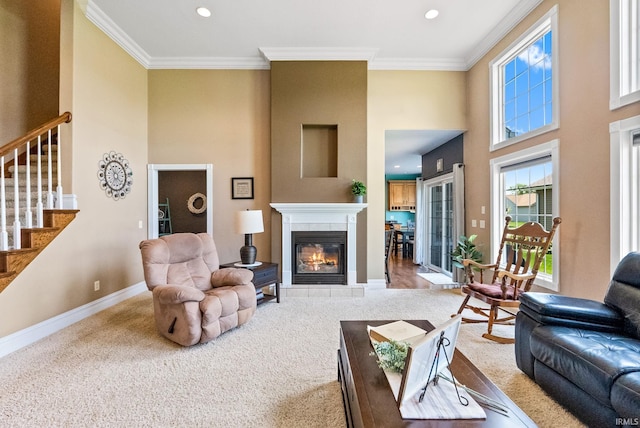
194	301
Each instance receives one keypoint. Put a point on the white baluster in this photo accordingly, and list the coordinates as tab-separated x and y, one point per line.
59	167
49	176
4	236
17	244
39	218
28	214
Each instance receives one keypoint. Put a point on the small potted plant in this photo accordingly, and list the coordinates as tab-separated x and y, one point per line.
358	189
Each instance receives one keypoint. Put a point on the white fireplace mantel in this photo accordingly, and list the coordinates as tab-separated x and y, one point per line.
318	217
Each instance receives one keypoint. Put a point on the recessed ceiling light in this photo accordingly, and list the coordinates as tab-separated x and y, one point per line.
396	166
203	11
432	13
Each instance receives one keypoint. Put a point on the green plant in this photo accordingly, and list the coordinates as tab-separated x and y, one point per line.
358	188
391	355
466	249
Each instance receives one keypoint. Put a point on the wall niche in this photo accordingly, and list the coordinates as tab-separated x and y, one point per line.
319	151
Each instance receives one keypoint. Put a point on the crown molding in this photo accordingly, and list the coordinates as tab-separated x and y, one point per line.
360	54
522	9
418	64
318	54
211	63
111	29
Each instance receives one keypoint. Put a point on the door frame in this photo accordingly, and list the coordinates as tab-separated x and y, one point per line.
440	180
152	193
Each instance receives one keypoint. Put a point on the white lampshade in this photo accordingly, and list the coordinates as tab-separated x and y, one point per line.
249	221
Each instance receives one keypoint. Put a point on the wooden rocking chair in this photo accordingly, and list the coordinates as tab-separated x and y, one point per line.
526	247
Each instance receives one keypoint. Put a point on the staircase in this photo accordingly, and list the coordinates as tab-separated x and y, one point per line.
37	190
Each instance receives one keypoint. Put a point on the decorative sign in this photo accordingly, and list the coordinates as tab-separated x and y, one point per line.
115	175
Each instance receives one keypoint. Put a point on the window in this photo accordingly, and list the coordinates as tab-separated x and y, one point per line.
625	52
524	185
625	188
524	85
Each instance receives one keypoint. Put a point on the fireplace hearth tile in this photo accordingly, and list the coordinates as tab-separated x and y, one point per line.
344	292
322	290
296	292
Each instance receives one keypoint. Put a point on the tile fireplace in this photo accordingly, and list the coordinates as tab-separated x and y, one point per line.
298	219
319	257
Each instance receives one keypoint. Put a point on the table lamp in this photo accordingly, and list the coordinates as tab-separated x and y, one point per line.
249	222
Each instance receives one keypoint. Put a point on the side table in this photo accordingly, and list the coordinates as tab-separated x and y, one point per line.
263	275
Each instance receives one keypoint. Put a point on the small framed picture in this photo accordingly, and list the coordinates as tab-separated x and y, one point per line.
242	188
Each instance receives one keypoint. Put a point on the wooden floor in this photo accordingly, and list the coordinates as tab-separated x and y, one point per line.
403	273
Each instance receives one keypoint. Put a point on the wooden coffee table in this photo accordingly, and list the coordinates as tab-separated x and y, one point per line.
368	399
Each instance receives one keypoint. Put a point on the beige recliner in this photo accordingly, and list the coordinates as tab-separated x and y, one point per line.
195	301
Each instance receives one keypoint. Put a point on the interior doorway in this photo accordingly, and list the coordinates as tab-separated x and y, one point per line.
155	199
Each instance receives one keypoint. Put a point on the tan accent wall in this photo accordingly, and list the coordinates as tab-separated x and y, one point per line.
108	98
29	59
319	93
584	143
219	117
432	100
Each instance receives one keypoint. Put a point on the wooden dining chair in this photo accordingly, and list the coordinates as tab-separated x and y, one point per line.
388	243
525	247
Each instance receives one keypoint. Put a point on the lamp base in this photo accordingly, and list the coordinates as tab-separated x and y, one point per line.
248	252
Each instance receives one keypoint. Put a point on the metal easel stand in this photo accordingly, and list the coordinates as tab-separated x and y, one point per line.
443	342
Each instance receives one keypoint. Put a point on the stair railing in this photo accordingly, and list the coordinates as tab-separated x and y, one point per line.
16	148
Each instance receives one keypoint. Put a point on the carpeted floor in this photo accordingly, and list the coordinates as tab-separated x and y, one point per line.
279	370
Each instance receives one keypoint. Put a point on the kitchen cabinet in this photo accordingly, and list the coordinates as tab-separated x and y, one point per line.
402	195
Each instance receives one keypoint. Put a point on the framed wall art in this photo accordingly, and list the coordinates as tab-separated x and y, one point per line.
115	175
242	188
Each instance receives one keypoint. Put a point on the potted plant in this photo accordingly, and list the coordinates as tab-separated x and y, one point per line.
358	189
466	249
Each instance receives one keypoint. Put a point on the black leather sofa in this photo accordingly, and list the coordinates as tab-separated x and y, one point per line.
586	354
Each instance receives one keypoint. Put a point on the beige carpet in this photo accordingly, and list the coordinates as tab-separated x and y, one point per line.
114	370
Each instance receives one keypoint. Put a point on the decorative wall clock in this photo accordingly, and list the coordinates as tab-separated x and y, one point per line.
115	175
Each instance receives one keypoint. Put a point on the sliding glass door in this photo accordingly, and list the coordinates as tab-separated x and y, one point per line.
439	228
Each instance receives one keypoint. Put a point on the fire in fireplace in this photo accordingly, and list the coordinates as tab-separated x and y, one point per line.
319	257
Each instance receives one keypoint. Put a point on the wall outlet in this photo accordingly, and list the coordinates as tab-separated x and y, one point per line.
139	224
96	285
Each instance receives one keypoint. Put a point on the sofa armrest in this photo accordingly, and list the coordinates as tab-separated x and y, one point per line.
554	309
176	294
231	276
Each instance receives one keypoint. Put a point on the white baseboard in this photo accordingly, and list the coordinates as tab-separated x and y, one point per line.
29	335
376	283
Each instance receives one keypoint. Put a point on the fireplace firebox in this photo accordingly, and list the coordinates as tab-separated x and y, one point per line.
319	257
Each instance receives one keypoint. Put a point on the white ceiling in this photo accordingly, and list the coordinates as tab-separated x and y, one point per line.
404	148
247	34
